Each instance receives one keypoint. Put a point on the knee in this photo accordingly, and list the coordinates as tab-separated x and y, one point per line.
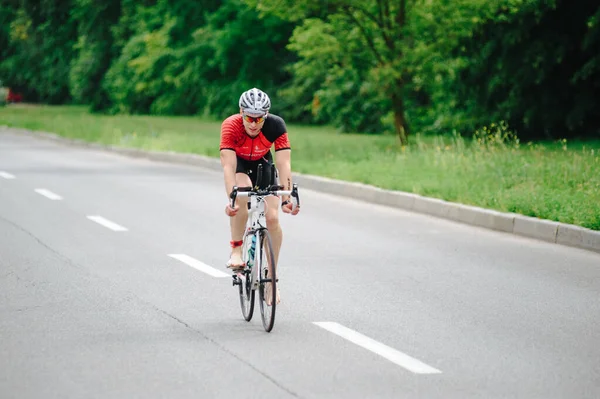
272	217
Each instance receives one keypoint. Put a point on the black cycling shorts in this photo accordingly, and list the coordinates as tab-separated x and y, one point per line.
251	169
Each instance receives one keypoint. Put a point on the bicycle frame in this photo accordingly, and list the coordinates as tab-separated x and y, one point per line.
256	223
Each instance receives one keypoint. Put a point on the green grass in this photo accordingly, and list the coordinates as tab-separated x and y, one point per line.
557	181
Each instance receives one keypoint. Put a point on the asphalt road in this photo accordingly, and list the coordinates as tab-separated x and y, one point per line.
376	302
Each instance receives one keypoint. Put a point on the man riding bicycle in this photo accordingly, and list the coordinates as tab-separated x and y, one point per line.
246	141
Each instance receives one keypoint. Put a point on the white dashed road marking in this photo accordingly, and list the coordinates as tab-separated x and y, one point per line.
6	175
48	194
107	223
385	351
196	264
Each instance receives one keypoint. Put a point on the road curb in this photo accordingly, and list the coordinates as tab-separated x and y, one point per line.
545	230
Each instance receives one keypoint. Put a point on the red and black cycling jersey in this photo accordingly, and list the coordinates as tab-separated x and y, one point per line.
234	137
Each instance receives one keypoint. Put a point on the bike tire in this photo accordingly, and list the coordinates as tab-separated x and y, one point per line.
268	274
246	292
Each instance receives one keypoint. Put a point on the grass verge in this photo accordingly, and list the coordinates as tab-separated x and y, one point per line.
557	181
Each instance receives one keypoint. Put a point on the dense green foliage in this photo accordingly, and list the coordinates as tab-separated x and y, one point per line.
93	51
399	66
539	69
37	59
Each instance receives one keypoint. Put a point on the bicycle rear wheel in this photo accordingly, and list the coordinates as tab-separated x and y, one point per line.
267	287
245	284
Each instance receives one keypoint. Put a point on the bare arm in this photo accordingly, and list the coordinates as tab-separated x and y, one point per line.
229	163
283	163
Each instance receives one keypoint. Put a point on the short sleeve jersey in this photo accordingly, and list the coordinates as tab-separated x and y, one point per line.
234	137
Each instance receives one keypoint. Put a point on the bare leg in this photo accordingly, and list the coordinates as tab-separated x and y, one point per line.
237	223
272	216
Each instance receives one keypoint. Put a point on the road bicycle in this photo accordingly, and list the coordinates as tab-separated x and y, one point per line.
259	273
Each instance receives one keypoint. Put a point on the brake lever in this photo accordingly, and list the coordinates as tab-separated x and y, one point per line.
295	196
233	196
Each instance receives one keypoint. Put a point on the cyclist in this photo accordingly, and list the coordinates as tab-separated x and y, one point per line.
246	141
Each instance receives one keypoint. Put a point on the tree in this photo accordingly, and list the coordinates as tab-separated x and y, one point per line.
332	81
236	50
536	64
154	66
380	27
396	48
40	50
191	57
93	50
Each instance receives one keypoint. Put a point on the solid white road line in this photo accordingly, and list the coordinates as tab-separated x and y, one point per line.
48	194
385	351
6	175
107	223
196	264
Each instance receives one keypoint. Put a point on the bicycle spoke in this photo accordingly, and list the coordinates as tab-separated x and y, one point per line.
268	282
245	285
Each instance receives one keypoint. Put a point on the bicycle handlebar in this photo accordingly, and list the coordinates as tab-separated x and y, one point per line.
271	190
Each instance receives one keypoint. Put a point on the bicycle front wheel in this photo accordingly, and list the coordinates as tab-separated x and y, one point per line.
245	284
246	294
267	287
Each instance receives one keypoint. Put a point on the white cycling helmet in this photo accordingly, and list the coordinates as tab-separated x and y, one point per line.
255	101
